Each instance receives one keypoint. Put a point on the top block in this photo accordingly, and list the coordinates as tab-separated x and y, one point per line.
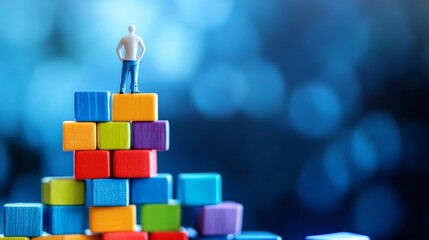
135	107
92	106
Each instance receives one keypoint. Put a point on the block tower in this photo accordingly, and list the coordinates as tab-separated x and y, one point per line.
115	140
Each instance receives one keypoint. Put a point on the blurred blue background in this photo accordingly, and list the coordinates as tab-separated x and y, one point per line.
315	112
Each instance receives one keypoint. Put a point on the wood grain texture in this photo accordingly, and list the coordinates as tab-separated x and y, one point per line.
110	192
91	164
64	219
63	191
151	135
92	106
161	217
112	219
135	107
257	235
134	164
23	219
79	136
157	189
126	235
194	189
114	135
169	236
69	237
221	219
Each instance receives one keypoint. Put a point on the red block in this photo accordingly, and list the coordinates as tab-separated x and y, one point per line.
134	163
91	164
125	235
169	236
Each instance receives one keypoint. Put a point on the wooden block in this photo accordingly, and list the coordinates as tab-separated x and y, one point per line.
157	189
151	135
79	136
23	219
64	219
91	164
63	191
92	106
182	235
221	219
112	219
195	189
161	217
114	135
126	235
13	238
135	107
134	164
69	237
338	236
110	192
253	235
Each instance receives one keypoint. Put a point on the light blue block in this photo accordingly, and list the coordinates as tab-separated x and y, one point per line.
260	235
23	219
194	189
338	236
110	192
158	189
65	219
92	106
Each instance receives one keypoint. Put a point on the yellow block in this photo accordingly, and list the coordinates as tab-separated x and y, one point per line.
13	238
135	107
112	219
64	191
79	136
69	237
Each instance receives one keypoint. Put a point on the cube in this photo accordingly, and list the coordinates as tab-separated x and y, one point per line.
13	238
157	189
114	135
161	217
65	219
23	219
134	164
135	107
151	135
222	219
110	192
91	164
79	136
92	106
112	219
195	189
338	236
69	237
126	235
182	235
253	235
63	191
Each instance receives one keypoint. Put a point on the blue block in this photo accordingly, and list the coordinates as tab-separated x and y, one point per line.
92	106
23	219
65	219
88	201
110	192
196	189
251	235
158	189
338	236
221	237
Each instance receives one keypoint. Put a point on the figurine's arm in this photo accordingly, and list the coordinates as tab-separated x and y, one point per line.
141	44
118	50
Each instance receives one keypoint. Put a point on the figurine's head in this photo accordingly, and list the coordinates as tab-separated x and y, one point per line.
131	28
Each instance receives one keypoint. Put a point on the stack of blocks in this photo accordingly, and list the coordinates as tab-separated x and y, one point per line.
115	175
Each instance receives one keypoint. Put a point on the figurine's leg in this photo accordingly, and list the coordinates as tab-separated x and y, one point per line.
124	75
134	71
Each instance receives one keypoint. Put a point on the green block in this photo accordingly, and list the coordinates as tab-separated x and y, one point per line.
13	238
114	135
63	191
161	217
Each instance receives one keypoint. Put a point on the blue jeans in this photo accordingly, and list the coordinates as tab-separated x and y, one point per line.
131	67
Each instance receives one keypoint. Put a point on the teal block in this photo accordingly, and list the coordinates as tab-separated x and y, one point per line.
260	235
23	219
92	106
110	192
338	236
195	189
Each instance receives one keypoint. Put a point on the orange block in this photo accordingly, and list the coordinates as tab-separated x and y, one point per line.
69	237
135	107
112	219
79	136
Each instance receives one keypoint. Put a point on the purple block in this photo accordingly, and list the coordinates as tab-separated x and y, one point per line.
221	219
151	135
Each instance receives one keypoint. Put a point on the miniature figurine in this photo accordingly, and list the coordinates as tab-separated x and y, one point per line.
130	63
